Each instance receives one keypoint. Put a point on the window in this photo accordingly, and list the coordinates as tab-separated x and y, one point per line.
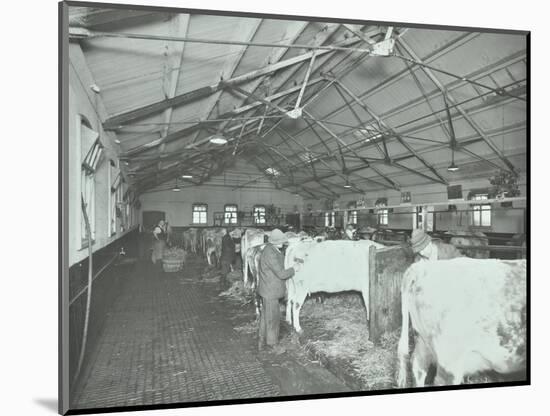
230	214
200	212
383	216
88	194
481	215
259	214
115	185
418	217
330	219
352	217
91	152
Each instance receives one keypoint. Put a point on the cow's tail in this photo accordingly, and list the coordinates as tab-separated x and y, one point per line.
403	348
245	268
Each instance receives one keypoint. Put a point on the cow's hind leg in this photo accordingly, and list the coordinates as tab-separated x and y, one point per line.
421	362
365	294
296	307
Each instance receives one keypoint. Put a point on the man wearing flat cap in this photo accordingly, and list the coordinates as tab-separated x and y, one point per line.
349	233
271	287
427	249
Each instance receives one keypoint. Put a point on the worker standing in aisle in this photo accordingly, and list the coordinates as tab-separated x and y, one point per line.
159	242
227	257
271	288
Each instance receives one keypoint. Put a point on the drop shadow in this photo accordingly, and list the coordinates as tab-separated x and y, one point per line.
49	404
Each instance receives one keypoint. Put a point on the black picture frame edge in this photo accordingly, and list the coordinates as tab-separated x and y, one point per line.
63	206
63	89
170	9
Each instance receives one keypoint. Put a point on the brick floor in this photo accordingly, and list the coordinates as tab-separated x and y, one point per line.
169	339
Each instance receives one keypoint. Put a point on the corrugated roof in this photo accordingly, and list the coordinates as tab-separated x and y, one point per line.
138	73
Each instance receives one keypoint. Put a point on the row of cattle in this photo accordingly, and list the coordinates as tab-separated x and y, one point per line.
208	240
468	314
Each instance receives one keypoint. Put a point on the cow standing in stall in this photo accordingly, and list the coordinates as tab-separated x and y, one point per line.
254	253
213	244
469	315
329	266
470	238
190	240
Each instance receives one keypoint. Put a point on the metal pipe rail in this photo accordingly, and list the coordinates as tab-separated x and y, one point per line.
96	275
492	248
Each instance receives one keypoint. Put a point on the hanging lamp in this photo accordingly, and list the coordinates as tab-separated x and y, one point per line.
176	188
452	167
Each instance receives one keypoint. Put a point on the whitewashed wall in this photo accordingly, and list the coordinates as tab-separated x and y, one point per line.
216	193
83	103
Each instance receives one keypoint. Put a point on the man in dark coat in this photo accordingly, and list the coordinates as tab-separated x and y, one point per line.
427	249
271	287
227	256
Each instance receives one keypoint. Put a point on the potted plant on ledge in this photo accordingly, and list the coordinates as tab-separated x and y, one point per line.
504	185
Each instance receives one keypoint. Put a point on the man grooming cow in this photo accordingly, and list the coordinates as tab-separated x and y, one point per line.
271	287
427	249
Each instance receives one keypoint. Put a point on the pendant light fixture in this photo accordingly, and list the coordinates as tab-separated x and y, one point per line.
176	188
347	185
218	138
452	167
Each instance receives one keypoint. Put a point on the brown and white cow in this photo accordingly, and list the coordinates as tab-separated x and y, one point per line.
328	266
190	240
469	315
253	259
470	238
213	243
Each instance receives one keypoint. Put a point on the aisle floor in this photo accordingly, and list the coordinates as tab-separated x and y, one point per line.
170	338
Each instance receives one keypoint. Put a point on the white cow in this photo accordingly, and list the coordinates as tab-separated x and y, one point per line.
470	316
329	266
213	243
251	238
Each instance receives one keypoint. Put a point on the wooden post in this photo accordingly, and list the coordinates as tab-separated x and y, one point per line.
386	268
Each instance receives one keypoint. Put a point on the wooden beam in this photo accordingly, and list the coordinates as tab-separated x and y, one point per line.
175	53
192	128
454	43
235	53
304	83
124	118
256	98
90	17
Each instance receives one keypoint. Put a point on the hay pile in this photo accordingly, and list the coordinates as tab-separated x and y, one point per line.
235	276
210	275
238	293
250	327
338	329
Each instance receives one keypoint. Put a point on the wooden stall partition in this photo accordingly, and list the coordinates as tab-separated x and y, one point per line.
386	268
